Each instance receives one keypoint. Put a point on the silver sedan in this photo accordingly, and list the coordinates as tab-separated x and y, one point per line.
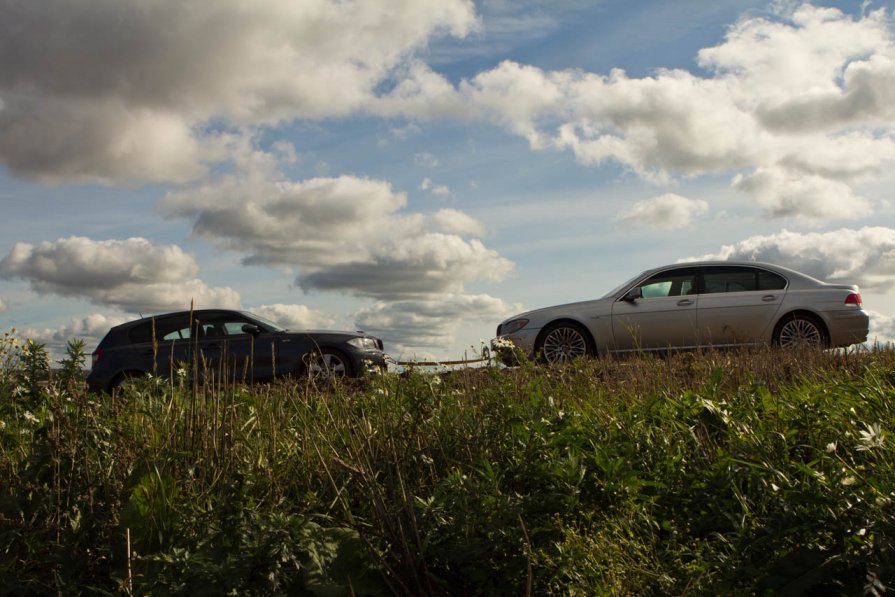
690	305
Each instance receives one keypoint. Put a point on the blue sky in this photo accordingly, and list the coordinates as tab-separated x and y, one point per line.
423	168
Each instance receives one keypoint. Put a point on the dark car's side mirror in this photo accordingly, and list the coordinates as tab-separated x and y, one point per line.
633	294
251	328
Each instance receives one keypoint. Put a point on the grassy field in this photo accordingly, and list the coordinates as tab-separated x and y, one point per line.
752	472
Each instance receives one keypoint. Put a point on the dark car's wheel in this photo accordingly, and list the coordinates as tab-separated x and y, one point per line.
123	380
327	363
800	331
563	342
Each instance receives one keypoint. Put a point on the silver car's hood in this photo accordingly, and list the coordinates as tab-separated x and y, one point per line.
536	314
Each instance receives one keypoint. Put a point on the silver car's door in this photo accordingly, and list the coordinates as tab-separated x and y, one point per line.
663	316
738	304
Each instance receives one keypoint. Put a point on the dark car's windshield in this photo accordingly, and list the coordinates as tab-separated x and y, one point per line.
265	323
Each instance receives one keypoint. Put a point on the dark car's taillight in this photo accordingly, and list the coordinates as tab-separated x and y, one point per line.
853	299
96	356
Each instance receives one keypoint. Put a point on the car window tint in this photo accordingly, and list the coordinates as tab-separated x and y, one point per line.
676	282
234	328
770	281
729	279
164	330
739	279
223	327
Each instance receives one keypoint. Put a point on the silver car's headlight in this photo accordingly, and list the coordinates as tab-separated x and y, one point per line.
364	343
513	326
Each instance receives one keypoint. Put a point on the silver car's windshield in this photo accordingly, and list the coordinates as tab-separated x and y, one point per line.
621	286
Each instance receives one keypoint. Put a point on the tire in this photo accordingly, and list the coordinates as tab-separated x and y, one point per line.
327	363
122	381
563	342
800	331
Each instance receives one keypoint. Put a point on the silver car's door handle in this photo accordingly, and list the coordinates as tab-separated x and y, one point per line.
684	302
769	297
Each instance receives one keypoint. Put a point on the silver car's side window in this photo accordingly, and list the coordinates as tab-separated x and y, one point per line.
739	279
676	282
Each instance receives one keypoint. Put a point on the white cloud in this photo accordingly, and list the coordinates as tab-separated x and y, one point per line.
453	221
807	96
426	160
133	274
428	185
91	329
882	329
122	89
431	263
429	322
345	234
865	256
295	317
667	211
807	196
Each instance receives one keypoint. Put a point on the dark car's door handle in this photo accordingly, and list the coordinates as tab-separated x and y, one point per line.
769	297
684	302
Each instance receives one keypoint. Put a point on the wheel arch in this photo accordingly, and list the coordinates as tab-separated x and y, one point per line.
319	349
588	335
800	312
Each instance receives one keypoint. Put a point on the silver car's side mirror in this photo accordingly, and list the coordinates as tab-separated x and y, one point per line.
633	294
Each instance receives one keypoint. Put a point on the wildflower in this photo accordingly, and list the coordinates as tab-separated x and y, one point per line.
30	418
831	447
871	438
2	424
848	481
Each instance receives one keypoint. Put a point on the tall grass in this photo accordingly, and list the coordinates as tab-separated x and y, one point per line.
707	473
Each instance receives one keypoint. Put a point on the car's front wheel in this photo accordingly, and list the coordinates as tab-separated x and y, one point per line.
327	363
800	331
563	342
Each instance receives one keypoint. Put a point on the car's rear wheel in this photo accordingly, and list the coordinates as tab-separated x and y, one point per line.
563	342
124	380
327	363
800	331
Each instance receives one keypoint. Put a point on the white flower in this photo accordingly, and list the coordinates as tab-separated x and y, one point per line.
848	481
871	438
30	418
831	447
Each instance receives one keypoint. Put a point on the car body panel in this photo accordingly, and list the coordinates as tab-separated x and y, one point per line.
726	307
219	347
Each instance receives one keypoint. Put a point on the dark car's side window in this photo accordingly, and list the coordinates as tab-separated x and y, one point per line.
739	279
224	327
165	330
675	282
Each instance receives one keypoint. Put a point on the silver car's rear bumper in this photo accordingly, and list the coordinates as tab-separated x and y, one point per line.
847	327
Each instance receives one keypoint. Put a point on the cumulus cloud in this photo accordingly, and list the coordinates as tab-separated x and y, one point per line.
882	329
667	211
122	89
90	329
295	317
864	256
133	274
806	196
453	221
345	234
435	189
803	100
429	322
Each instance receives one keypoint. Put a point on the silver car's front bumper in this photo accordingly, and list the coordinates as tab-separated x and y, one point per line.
509	348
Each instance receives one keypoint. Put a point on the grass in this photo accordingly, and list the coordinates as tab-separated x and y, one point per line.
703	473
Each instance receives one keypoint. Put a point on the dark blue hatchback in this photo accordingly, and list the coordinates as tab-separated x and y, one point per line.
227	345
